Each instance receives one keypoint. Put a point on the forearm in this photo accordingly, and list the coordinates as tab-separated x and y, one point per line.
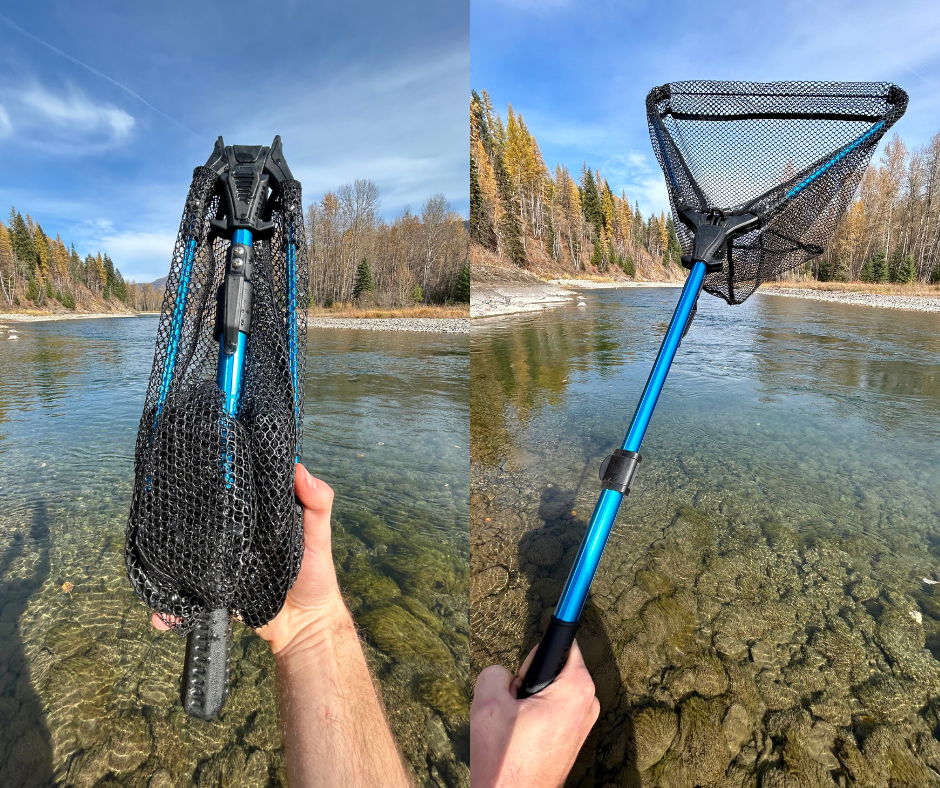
335	732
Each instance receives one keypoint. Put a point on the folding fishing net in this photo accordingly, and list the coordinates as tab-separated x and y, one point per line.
214	525
790	154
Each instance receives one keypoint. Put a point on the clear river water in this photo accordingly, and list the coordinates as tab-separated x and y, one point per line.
89	692
767	611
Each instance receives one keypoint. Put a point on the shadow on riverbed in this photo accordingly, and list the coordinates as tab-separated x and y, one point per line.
25	748
545	556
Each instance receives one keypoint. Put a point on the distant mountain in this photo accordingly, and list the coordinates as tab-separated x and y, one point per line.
159	284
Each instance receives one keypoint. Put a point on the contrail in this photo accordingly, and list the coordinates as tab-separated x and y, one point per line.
105	77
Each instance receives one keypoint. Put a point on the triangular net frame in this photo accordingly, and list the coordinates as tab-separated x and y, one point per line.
792	153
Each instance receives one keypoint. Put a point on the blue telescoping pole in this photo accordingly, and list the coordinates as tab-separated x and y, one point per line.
592	546
553	649
292	320
231	365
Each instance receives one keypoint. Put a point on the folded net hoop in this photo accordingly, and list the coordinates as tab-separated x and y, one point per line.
214	524
790	154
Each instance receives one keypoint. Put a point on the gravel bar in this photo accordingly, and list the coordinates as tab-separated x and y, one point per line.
915	303
437	325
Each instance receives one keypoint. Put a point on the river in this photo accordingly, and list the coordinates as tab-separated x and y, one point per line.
89	692
768	602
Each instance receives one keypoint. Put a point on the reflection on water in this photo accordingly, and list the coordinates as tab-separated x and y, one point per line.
767	604
89	692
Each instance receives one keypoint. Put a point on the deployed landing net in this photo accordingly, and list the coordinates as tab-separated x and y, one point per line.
213	523
791	153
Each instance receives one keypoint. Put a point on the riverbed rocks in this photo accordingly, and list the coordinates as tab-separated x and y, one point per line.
742	655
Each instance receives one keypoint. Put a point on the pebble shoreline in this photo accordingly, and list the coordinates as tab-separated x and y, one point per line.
913	303
454	325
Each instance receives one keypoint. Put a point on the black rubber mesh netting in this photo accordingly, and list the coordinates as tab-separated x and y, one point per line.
214	523
792	153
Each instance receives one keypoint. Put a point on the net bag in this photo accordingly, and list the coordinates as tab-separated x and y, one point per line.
789	153
214	525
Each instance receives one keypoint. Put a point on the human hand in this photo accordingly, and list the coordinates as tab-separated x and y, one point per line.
530	742
314	604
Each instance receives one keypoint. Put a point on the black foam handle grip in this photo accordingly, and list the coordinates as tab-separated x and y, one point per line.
550	657
207	666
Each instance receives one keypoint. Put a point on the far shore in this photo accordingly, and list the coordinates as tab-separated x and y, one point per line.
916	303
26	317
498	298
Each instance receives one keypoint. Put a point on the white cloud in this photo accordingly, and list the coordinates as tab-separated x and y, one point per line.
141	256
68	122
76	111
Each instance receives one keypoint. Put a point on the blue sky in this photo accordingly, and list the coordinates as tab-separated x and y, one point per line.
579	70
106	107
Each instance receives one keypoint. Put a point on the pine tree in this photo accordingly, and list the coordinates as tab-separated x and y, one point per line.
629	267
867	274
363	284
879	268
597	257
480	230
907	273
416	295
590	201
511	229
22	239
462	291
935	274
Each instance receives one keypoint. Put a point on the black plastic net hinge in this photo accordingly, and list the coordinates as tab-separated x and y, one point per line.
618	470
712	233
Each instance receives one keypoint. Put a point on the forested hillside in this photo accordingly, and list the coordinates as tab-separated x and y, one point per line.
523	212
41	272
357	257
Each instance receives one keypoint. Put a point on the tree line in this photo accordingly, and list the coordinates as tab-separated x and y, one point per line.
37	269
891	231
356	256
516	201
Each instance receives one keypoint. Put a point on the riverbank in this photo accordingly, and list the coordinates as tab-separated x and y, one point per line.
917	303
494	299
437	325
25	317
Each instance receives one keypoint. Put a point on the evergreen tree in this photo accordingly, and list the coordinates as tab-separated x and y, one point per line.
597	257
480	230
511	229
935	274
867	274
363	283
879	268
629	267
33	293
416	295
591	201
907	273
674	248
462	291
23	246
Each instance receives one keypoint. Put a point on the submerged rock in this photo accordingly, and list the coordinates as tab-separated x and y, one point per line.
398	633
654	730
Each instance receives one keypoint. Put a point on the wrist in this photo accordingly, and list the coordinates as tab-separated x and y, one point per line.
310	629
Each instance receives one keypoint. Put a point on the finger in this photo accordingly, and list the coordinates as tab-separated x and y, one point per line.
575	662
317	499
159	623
527	663
493	681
